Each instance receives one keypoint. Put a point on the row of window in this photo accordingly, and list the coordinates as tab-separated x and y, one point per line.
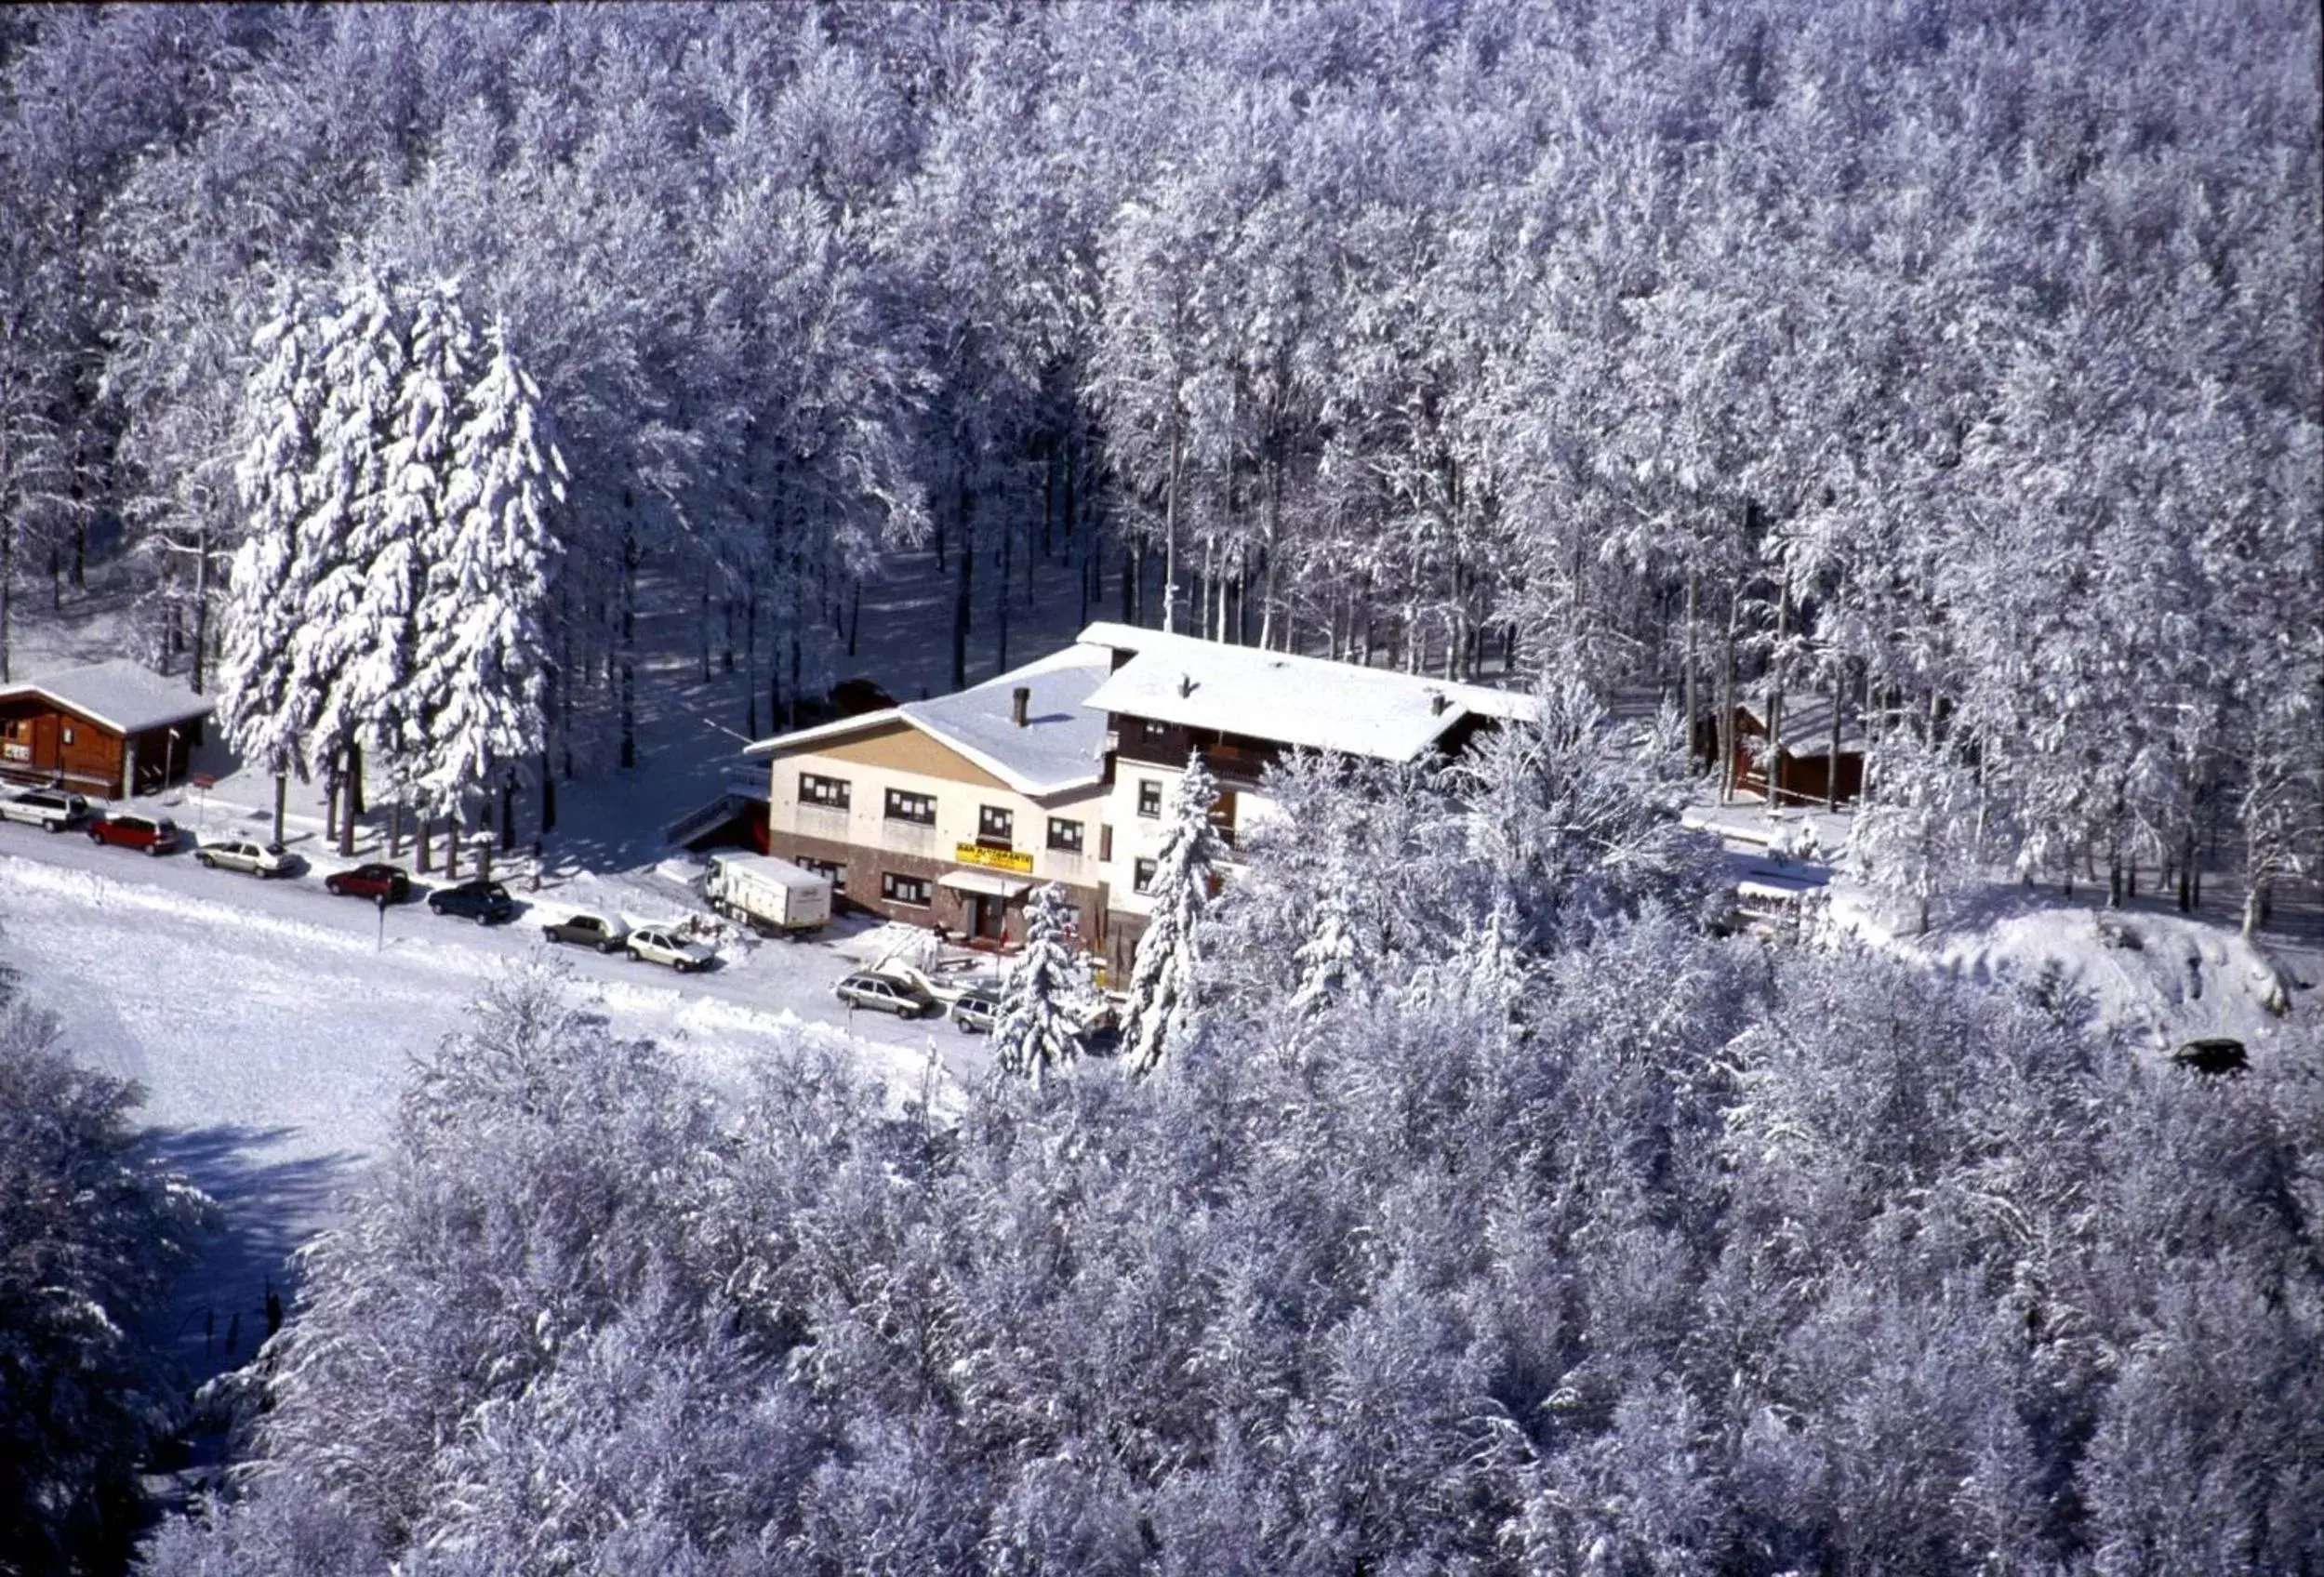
916	891
995	824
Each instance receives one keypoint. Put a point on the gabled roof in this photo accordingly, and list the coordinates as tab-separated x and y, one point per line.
1808	725
1307	702
1061	748
119	694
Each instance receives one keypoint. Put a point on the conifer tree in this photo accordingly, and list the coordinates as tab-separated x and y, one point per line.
265	711
1169	958
483	648
1037	1029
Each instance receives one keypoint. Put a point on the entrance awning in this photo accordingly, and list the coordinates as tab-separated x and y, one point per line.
992	886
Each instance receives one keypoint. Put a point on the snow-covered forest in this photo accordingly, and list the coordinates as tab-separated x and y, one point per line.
1960	357
1464	1203
1537	1231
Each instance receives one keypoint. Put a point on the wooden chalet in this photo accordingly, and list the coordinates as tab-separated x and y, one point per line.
112	729
1803	764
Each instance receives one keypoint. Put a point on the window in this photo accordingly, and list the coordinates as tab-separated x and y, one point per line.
831	871
1105	843
830	793
1149	796
995	826
68	733
1142	876
1065	836
919	809
911	890
1154	732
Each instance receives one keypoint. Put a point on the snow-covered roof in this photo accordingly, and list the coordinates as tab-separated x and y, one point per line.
120	694
1060	747
1808	725
1308	702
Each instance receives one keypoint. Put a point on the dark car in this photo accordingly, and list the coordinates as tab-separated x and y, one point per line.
373	881
486	903
155	834
589	931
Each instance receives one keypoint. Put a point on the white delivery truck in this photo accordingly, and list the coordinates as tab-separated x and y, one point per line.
768	894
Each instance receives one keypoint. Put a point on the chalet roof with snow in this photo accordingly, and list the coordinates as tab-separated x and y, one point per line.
1306	702
120	695
1807	724
1060	747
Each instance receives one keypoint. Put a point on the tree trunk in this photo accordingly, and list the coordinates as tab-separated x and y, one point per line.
1773	772
395	829
1001	601
508	811
547	798
454	833
354	779
1693	694
963	589
423	843
281	801
1831	758
1170	521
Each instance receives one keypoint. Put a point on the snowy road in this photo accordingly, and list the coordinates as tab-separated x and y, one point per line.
272	1024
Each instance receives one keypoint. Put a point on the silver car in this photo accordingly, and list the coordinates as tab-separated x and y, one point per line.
885	994
253	859
658	944
976	1012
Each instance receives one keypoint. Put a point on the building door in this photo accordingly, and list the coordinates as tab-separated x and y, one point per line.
987	916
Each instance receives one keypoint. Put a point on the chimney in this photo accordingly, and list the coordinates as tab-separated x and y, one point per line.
1438	701
1185	685
1019	698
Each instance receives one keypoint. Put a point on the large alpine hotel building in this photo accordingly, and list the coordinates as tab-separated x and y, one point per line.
947	812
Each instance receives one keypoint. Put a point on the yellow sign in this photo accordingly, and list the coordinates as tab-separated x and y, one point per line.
996	859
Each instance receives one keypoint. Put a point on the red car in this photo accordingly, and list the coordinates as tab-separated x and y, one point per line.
373	882
156	835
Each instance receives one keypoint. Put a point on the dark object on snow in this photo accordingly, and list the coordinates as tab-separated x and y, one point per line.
274	1310
2215	1057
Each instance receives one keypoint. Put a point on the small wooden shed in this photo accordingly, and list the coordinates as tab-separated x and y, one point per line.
112	728
1802	762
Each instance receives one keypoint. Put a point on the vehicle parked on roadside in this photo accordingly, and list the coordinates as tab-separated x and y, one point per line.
154	834
588	930
975	1013
885	993
770	895
658	944
947	981
53	809
373	881
486	903
252	859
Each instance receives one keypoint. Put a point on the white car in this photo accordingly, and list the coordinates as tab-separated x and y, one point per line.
256	859
51	808
658	944
947	982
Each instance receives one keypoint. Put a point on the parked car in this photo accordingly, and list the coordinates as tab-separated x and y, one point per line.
373	881
155	834
658	944
254	860
486	903
885	994
589	931
975	1013
51	808
945	982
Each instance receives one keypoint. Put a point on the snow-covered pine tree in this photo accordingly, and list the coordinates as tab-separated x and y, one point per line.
1169	955
266	714
482	646
1325	962
353	648
1036	1028
420	527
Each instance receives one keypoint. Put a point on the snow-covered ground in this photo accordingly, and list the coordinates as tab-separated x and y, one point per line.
272	1026
2162	978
